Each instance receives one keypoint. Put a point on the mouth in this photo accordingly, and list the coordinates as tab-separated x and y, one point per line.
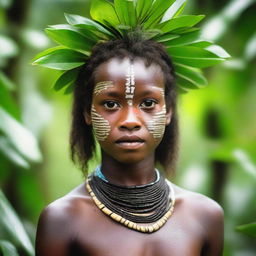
130	142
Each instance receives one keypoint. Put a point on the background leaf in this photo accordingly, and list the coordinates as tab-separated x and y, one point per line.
248	229
6	100
10	221
9	151
21	138
8	249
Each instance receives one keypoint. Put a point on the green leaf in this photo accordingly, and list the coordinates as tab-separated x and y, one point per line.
131	13
6	99
70	37
76	20
126	12
174	10
11	223
157	11
248	229
102	10
7	248
193	56
166	37
201	44
219	51
67	78
151	33
181	90
12	154
61	59
6	82
69	89
185	84
120	11
184	39
192	75
47	52
180	22
20	137
142	9
184	30
8	47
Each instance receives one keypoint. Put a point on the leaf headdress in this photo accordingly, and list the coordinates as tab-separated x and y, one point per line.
158	20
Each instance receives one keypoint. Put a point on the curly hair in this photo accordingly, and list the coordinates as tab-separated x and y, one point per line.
82	142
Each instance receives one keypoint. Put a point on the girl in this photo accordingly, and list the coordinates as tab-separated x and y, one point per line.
125	96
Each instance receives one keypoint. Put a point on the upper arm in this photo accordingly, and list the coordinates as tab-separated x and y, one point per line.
53	234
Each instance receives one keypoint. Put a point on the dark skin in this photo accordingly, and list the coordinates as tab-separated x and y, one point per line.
73	225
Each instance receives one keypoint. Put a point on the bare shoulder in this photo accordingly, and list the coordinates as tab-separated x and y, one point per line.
208	215
66	207
59	222
202	206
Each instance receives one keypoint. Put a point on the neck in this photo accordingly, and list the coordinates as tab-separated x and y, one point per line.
128	174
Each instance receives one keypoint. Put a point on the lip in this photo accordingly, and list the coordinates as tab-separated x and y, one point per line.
130	142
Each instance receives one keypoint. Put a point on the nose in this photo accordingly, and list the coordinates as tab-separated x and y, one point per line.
130	119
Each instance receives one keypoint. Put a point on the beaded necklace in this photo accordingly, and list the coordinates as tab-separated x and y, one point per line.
130	205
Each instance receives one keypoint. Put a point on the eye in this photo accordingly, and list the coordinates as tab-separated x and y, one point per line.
111	104
148	104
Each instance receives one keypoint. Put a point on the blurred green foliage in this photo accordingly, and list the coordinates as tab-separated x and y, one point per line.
217	123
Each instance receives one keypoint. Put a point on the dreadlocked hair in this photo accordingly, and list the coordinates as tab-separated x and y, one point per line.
82	142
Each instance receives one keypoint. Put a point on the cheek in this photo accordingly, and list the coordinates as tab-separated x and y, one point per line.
100	125
156	126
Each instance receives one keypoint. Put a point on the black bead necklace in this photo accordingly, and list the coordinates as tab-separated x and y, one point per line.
130	205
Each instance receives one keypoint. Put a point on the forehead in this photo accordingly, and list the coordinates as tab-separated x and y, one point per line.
116	70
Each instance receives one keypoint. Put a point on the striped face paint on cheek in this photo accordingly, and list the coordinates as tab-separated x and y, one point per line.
101	86
100	125
130	85
156	125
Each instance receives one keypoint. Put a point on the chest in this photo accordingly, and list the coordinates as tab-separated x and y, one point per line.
107	238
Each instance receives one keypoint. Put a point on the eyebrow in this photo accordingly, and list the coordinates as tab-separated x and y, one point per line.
112	94
148	92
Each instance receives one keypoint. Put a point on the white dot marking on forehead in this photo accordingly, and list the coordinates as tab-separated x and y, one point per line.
130	85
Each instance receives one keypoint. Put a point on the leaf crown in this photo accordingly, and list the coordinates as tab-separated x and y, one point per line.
156	20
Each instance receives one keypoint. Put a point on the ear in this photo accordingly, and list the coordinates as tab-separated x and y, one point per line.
87	117
168	116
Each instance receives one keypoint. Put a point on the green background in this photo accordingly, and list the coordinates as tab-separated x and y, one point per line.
217	123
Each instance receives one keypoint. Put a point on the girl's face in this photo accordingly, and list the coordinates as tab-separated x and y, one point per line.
128	112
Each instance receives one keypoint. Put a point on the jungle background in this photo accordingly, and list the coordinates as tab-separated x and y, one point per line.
217	123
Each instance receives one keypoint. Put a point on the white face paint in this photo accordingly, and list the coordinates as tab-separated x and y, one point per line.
100	125
130	85
156	126
101	86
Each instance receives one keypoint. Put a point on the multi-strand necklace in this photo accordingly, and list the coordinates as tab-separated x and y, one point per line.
133	205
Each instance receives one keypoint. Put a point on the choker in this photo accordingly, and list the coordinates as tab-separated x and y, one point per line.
133	206
99	174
